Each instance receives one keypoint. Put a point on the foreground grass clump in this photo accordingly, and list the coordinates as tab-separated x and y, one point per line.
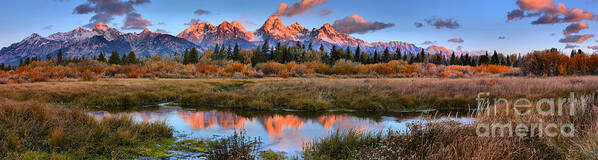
452	140
313	94
30	130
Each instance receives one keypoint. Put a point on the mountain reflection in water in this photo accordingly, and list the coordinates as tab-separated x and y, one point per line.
279	131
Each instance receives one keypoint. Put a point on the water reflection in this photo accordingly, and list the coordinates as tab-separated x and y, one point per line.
279	131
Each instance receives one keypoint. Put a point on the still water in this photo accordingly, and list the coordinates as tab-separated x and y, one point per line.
279	131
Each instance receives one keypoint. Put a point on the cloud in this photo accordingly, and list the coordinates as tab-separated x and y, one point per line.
502	37
575	28
356	24
429	43
49	27
106	10
325	12
569	46
456	40
161	23
535	4
297	8
200	12
576	38
519	14
439	23
193	21
595	48
161	31
135	21
548	13
418	25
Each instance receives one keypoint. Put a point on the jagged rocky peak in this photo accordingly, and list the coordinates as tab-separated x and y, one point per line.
295	27
199	28
79	29
273	23
33	36
101	27
146	31
328	28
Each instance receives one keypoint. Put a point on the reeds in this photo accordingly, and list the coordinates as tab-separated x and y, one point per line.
29	128
453	140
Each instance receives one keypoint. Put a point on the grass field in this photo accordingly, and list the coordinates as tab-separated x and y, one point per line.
298	93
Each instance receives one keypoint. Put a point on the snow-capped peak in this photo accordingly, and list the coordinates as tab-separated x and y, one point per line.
101	27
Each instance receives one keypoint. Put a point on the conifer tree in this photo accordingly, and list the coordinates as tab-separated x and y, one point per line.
495	59
131	58
101	57
236	53
347	54
114	58
193	56
59	57
386	55
357	56
398	54
229	52
376	57
124	59
215	55
334	54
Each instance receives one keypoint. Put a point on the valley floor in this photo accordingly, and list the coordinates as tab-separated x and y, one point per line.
313	94
30	129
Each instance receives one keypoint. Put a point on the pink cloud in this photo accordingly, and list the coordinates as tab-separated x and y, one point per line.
356	24
456	40
575	28
576	38
297	8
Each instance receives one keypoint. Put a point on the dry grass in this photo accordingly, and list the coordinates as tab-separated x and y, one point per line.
452	140
30	129
298	93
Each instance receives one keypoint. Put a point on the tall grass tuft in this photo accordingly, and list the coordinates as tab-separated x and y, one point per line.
27	127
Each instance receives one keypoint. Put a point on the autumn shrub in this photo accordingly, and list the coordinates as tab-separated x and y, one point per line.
319	67
345	67
493	68
383	69
271	67
207	68
296	69
88	76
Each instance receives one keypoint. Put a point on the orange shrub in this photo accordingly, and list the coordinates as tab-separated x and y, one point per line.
319	67
383	69
296	68
235	67
137	73
410	69
345	67
207	68
445	74
494	68
3	73
271	67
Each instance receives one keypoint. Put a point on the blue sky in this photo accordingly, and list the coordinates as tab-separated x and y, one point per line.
480	22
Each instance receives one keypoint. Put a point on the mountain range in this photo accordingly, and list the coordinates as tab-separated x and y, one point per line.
81	42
